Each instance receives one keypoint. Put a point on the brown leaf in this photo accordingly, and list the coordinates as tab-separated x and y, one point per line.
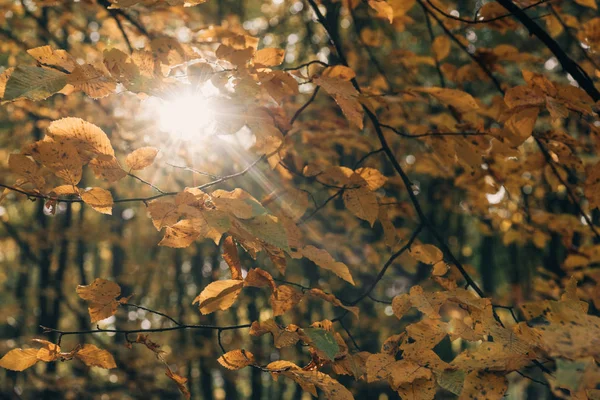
232	258
283	298
257	277
180	381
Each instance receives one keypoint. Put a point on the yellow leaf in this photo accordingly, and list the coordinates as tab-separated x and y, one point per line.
109	170
401	304
333	300
383	9
484	385
458	99
419	389
141	158
180	235
441	47
163	213
19	359
92	356
324	260
373	177
101	296
236	359
46	55
91	81
61	158
362	203
22	165
269	57
99	199
587	3
426	253
340	72
219	295
379	366
49	352
237	202
83	135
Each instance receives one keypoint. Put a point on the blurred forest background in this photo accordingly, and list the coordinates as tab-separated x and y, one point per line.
513	256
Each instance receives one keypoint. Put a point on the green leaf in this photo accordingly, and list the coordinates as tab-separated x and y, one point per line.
34	83
268	228
324	341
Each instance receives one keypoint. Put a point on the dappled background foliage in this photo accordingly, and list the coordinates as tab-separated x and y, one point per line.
286	199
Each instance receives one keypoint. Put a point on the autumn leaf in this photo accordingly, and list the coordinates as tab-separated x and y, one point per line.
324	260
219	295
99	199
19	359
270	57
383	9
92	356
83	135
257	277
180	235
46	55
141	158
232	258
34	83
236	359
61	158
441	47
324	341
102	298
91	81
426	253
484	385
362	203
283	298
180	381
458	99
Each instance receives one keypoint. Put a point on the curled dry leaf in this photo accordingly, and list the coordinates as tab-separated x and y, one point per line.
236	359
232	258
180	381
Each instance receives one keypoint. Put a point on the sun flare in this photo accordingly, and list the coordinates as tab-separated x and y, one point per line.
186	117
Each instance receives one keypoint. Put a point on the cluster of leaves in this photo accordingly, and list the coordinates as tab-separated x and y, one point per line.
535	139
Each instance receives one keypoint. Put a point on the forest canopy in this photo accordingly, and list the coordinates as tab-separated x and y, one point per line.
291	199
